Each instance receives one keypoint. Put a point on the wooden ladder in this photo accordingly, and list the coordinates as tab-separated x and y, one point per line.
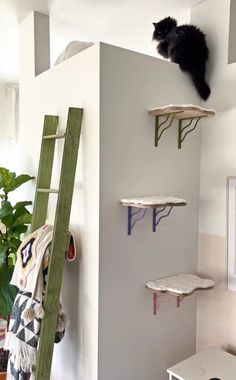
61	223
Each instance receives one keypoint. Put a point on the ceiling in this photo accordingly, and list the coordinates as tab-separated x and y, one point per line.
125	23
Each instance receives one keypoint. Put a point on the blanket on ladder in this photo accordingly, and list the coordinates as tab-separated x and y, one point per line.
30	276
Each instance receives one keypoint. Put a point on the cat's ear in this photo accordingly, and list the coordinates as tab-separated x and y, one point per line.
154	24
173	20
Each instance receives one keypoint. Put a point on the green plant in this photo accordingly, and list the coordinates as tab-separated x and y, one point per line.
13	223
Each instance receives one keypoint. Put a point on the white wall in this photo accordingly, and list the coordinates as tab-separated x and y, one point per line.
127	24
73	83
134	344
232	32
218	153
9	110
216	312
124	23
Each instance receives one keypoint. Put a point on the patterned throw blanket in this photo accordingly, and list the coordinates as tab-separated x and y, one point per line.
22	338
30	276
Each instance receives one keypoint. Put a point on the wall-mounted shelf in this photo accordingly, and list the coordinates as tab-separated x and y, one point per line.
183	112
161	208
179	286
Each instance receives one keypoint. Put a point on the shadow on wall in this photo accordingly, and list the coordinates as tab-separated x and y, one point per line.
230	349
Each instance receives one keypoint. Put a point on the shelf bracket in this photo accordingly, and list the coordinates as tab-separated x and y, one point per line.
184	131
134	217
179	300
160	214
157	303
158	130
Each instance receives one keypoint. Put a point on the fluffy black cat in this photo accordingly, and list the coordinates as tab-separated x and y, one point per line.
185	45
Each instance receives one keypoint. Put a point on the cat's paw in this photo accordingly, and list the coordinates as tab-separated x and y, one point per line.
162	49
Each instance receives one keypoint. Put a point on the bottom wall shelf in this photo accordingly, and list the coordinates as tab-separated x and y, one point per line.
179	286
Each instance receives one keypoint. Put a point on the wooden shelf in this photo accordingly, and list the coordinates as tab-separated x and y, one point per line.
161	208
180	286
180	112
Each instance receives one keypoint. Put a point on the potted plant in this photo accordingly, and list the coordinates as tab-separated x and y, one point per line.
14	220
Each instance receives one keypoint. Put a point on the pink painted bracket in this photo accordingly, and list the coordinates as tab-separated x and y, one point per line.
157	303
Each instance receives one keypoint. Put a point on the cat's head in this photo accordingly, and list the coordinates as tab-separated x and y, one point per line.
163	27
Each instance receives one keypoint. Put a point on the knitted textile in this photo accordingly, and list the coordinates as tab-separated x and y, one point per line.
30	276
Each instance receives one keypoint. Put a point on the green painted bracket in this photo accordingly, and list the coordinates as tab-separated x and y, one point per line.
185	130
166	124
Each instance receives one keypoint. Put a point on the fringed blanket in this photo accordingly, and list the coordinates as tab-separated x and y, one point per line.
30	276
22	338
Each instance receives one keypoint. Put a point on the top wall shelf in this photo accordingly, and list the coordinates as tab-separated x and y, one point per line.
180	112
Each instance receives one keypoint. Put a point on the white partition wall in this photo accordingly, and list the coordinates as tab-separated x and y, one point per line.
134	344
113	333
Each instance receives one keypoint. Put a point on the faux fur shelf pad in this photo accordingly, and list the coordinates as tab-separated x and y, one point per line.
153	200
182	284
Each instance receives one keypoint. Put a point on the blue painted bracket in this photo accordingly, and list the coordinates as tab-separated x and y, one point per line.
134	217
160	214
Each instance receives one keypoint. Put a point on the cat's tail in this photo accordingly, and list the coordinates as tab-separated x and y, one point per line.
200	83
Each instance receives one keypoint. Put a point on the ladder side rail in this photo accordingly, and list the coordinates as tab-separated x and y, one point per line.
44	172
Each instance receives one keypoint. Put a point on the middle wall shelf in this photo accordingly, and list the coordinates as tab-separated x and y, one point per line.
161	207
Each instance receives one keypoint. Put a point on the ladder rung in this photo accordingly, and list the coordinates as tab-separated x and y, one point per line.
54	137
47	191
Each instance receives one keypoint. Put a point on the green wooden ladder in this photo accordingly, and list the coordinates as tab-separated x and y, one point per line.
61	223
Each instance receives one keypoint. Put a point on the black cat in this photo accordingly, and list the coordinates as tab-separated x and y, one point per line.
185	45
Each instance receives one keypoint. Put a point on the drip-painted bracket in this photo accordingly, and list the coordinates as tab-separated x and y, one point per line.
134	217
185	130
161	127
161	208
188	112
158	214
179	287
159	299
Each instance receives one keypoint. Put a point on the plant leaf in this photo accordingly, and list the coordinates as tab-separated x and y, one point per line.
6	177
23	219
8	220
19	216
6	209
22	204
20	211
15	243
21	229
7	291
3	251
13	258
17	182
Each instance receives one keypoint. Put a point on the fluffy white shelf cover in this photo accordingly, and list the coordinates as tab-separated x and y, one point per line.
153	200
182	284
184	107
